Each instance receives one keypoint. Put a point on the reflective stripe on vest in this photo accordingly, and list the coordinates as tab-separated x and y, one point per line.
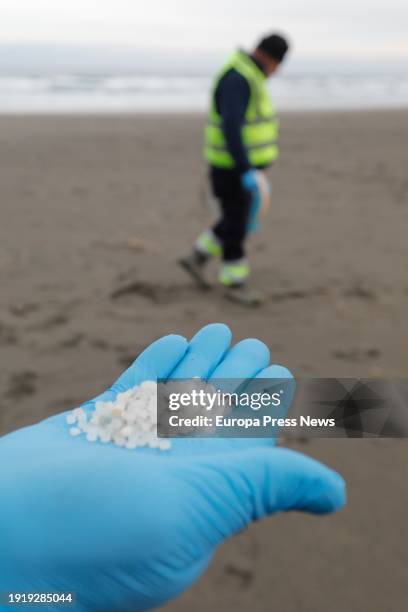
260	130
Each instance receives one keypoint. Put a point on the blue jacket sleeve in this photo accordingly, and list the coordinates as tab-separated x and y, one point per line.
232	98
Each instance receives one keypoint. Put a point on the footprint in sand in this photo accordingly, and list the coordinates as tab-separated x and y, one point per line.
21	384
242	575
72	341
360	292
8	334
54	320
22	310
297	294
356	354
153	292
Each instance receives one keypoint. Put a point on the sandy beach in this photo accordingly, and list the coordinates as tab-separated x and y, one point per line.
95	211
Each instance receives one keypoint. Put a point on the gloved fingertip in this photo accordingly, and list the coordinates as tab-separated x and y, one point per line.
215	330
156	361
275	371
254	348
173	341
328	497
337	498
177	338
322	489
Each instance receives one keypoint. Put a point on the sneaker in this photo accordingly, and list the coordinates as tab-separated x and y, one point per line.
194	265
241	294
234	273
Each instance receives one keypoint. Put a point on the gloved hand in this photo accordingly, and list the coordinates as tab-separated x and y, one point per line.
249	181
129	530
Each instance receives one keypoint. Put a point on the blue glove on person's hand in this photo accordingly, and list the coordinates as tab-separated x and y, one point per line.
129	530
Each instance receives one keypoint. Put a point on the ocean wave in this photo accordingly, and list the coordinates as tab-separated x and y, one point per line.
121	93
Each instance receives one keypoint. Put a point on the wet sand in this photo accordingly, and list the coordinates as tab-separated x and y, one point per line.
94	212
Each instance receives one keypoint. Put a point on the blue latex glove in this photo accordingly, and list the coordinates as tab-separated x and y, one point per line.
250	184
129	530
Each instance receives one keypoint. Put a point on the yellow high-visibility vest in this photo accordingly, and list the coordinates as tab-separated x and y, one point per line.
260	128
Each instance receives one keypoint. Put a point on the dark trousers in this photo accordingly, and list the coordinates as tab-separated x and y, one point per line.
235	203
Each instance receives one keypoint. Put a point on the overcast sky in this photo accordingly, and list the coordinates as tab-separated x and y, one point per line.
353	30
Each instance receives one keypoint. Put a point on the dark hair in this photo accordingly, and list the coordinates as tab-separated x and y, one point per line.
275	46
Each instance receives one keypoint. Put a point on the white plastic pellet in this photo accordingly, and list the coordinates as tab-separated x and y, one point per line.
79	413
131	444
130	421
164	444
105	437
75	431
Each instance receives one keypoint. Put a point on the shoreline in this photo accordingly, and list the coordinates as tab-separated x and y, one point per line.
126	114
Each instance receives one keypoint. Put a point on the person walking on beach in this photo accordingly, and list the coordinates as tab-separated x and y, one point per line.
240	142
